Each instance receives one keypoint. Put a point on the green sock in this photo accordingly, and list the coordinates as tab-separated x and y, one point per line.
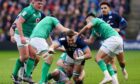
102	65
49	77
17	67
45	70
110	69
30	65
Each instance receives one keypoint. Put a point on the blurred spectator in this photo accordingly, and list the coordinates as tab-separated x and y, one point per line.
71	13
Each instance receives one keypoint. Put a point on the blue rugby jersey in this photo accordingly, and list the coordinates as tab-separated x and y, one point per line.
79	43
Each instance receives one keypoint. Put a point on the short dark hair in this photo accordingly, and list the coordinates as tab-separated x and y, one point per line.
105	3
90	14
70	33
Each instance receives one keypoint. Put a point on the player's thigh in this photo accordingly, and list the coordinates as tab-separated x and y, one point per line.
101	54
22	48
32	52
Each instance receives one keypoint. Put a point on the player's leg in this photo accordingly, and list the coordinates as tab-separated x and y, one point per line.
121	60
30	65
111	70
76	73
114	65
99	59
45	67
23	51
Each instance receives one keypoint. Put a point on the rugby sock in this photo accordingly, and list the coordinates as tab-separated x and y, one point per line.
110	69
103	67
45	69
17	67
30	66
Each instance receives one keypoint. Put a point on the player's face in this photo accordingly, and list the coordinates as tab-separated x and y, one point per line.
38	5
71	40
105	9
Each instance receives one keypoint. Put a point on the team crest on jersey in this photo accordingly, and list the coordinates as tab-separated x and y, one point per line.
37	20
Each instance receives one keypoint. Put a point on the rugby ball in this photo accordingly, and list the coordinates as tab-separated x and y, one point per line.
78	52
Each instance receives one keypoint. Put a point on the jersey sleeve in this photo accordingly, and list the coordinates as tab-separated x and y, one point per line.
61	41
81	44
55	22
122	22
118	18
26	14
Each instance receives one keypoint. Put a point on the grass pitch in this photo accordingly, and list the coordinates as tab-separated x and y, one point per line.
93	73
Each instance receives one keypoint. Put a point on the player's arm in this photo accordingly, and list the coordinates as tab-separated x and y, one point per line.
12	34
19	23
123	24
54	45
87	27
86	50
62	49
90	40
49	40
87	53
61	28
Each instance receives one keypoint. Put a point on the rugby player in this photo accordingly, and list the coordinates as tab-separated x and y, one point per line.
25	22
71	42
111	46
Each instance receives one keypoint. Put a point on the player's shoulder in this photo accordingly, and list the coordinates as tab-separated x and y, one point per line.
115	14
62	39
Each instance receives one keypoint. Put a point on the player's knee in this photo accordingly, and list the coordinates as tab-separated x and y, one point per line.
23	58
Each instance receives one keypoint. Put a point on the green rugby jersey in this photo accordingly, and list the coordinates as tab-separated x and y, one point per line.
102	29
32	17
45	27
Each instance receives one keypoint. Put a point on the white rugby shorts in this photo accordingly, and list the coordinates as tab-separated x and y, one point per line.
18	40
112	46
39	44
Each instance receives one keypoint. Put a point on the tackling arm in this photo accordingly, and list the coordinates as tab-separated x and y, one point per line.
87	27
90	40
87	53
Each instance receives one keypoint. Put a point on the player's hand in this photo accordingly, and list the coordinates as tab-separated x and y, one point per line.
51	51
12	39
23	40
79	58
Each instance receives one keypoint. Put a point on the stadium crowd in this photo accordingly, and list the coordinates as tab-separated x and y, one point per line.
71	13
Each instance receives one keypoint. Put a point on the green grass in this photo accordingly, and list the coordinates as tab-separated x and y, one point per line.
93	73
